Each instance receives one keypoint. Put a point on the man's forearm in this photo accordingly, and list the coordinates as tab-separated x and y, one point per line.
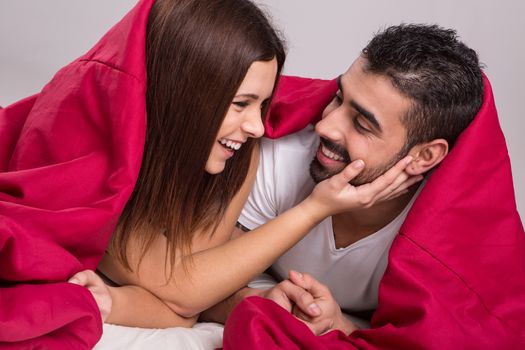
220	312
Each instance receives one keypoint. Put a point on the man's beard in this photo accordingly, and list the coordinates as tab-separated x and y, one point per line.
319	173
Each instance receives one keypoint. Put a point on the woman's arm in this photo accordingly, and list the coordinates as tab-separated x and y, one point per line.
153	312
215	271
132	306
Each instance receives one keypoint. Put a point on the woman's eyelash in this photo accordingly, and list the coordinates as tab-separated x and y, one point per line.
240	103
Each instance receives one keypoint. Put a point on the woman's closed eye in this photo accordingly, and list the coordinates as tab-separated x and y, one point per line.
241	104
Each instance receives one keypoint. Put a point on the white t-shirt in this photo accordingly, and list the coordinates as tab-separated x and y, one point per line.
283	180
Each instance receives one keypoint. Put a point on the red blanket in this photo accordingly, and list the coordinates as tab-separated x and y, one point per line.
456	272
69	159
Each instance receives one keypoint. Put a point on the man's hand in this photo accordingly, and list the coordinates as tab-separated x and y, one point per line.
98	289
330	316
287	294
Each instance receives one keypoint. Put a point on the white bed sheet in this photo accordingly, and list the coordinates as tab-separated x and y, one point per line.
203	336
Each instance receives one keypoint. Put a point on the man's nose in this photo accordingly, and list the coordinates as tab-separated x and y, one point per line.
328	127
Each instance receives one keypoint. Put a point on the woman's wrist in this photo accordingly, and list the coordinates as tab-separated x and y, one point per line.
312	210
114	293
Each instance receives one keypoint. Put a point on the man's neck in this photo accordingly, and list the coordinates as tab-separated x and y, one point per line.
350	227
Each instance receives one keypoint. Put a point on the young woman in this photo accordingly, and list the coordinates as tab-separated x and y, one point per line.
212	67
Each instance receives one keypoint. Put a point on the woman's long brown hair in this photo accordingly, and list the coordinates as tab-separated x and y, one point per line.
197	54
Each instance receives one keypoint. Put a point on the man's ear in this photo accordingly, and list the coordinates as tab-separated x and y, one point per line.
426	156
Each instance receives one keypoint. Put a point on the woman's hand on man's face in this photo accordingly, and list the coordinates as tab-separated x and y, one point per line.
336	195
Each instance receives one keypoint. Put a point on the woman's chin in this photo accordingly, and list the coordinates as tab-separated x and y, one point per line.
214	168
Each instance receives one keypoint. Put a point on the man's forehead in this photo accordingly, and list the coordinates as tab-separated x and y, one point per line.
373	92
357	65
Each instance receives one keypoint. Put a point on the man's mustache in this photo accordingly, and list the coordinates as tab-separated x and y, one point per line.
337	149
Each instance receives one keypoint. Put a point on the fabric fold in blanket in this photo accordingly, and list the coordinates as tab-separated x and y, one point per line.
69	159
456	271
309	97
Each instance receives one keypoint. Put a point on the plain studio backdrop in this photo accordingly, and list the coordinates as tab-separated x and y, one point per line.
324	37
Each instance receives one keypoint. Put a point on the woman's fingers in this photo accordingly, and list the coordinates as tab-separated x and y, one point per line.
400	184
403	187
82	278
369	193
98	289
342	178
388	178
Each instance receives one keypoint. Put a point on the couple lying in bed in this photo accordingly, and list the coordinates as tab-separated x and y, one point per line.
336	213
175	251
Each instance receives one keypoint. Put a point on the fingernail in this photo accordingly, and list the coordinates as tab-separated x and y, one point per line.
314	309
300	275
74	281
358	164
409	159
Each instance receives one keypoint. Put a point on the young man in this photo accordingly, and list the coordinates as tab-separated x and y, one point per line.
433	266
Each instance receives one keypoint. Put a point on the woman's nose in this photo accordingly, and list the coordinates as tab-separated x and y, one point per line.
253	125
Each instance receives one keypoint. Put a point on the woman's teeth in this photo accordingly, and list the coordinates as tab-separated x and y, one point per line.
330	154
230	144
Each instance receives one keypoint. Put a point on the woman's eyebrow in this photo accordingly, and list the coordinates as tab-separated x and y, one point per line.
252	96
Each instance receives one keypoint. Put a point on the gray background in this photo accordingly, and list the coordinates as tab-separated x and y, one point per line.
324	37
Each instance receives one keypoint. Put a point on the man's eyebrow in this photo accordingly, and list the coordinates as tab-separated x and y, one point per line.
367	114
360	109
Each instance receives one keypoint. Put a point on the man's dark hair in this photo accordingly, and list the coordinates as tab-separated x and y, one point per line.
440	74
